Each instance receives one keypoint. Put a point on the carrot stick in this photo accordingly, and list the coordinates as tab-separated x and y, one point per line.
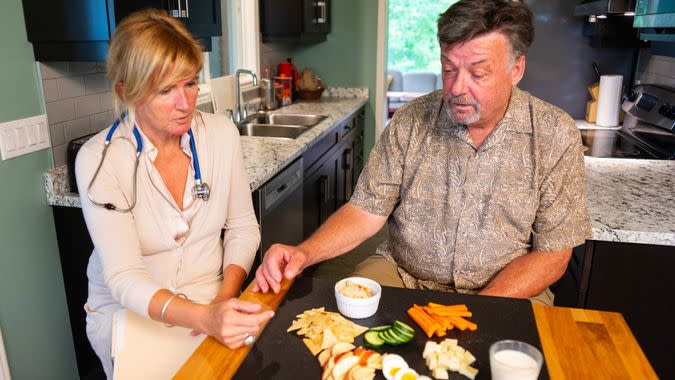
460	322
419	319
470	325
455	307
453	313
441	321
428	318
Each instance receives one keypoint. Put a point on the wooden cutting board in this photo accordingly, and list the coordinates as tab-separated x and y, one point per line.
281	355
212	360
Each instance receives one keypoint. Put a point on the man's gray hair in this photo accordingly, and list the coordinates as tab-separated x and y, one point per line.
469	19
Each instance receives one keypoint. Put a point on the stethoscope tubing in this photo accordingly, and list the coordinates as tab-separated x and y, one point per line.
200	190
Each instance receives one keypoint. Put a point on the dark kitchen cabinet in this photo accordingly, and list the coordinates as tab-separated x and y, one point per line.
75	247
79	30
636	281
319	193
332	167
294	21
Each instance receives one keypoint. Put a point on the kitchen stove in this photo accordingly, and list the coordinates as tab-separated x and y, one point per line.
647	131
635	139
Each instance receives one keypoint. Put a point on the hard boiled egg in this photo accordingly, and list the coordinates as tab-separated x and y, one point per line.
406	374
391	364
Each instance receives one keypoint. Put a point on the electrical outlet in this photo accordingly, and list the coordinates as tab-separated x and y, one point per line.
18	137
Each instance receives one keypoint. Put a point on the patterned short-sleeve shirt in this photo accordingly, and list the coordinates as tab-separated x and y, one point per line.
458	214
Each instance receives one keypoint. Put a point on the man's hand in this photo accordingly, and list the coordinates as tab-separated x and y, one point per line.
279	261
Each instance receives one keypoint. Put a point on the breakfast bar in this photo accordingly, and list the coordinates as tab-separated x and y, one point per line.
577	344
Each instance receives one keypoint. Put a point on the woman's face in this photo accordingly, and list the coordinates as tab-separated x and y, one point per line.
168	112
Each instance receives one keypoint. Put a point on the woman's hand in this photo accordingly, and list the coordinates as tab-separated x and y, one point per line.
231	321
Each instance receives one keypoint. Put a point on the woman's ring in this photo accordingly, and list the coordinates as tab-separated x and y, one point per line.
249	339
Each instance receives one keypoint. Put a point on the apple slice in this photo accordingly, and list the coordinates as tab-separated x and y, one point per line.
343	365
362	373
375	361
327	373
323	357
341	347
365	355
359	350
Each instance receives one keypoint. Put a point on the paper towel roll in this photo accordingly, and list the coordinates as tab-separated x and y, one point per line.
609	100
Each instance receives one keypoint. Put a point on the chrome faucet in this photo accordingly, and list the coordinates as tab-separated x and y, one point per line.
240	114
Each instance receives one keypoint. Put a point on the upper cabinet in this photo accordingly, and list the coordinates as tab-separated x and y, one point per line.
294	21
79	30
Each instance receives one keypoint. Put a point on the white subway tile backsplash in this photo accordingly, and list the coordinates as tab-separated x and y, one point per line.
51	70
101	121
51	90
60	111
78	128
96	83
57	133
106	101
87	105
70	87
86	67
60	152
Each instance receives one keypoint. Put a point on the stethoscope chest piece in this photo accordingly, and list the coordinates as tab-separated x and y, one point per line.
201	190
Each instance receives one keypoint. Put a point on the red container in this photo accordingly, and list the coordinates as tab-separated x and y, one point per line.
287	69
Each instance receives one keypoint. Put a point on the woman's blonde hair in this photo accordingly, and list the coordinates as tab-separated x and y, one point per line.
149	51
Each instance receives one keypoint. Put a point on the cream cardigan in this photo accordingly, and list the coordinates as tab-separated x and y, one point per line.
156	245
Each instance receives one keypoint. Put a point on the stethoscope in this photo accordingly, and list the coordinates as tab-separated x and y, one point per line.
199	190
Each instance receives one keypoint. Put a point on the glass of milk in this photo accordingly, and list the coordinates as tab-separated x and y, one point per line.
514	360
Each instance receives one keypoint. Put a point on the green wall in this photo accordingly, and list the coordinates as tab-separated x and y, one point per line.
348	58
33	312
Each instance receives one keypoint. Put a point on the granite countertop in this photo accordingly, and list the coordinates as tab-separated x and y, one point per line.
630	200
263	156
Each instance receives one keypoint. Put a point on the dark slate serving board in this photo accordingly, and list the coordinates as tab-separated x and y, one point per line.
281	355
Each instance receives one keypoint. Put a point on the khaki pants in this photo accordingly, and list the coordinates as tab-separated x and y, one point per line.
383	271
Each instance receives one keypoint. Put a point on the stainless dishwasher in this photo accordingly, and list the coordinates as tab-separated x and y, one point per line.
278	205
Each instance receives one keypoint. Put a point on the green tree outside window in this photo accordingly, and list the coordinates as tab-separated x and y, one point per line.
412	42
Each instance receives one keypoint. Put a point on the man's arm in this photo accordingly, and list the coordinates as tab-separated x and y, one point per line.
348	227
529	275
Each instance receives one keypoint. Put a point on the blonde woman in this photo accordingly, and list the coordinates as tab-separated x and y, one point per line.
157	189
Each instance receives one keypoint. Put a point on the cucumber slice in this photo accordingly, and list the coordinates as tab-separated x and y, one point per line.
380	328
372	339
403	337
387	338
403	334
404	327
395	339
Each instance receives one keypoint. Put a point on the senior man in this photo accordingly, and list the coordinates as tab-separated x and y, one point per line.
482	184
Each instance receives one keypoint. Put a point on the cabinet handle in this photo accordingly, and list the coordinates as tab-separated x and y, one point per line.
177	10
347	159
324	186
321	6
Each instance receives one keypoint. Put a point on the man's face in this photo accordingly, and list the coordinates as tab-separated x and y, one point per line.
477	79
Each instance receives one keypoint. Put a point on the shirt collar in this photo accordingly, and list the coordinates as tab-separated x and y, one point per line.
151	151
517	117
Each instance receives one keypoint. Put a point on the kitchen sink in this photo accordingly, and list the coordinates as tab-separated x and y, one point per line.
285	119
269	130
285	126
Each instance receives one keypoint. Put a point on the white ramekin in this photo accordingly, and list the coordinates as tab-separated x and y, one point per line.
358	307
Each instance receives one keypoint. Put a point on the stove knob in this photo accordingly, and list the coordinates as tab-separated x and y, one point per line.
667	110
631	96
